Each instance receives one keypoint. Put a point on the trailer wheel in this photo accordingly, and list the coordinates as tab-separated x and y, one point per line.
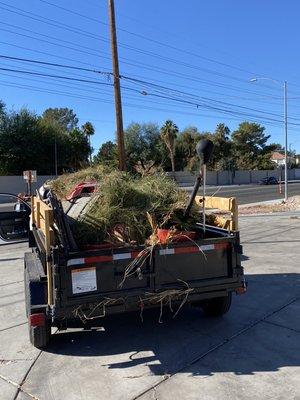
217	306
40	335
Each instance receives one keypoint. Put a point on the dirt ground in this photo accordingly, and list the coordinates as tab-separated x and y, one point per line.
293	204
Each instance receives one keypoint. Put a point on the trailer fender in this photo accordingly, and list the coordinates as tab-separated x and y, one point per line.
35	282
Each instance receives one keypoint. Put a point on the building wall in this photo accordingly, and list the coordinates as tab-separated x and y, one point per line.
17	184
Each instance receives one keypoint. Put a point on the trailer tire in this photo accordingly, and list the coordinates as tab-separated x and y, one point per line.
40	335
217	306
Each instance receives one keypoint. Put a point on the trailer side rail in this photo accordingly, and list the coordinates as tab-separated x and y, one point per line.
42	220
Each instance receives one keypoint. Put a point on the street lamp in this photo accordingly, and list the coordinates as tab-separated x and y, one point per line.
285	120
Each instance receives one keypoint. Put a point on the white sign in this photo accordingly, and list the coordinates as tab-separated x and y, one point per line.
84	280
29	176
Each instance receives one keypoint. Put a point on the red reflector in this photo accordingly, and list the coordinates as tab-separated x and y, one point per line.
241	290
97	259
37	319
191	249
219	246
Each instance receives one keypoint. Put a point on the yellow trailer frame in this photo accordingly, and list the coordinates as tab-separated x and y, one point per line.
228	205
42	219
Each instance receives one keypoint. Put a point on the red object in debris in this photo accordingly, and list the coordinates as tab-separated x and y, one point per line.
164	235
81	188
38	319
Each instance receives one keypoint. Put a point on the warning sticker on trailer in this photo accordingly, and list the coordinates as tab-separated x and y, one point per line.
84	280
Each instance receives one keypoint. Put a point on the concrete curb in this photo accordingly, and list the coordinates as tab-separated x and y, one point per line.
261	203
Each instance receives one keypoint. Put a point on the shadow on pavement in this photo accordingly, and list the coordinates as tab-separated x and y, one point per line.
124	341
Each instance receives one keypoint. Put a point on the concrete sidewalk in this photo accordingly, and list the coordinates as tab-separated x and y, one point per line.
251	353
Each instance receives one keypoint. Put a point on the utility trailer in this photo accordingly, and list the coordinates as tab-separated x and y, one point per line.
63	283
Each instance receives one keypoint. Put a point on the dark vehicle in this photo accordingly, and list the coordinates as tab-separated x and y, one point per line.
14	218
64	283
271	180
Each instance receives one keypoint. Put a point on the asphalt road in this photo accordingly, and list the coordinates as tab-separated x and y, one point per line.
252	353
252	193
244	193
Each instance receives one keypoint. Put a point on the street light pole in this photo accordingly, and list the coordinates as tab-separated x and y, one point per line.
285	120
286	143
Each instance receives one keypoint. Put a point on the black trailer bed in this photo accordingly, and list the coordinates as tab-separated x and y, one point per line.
93	283
207	266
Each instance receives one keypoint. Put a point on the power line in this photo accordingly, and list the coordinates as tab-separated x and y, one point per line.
145	66
170	46
137	76
55	64
80	31
147	38
155	86
95	54
136	106
163	44
198	104
46	53
55	76
39	18
148	52
75	49
137	81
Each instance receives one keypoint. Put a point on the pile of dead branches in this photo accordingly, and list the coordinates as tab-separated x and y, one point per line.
125	209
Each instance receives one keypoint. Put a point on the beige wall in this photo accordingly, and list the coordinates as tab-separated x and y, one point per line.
234	178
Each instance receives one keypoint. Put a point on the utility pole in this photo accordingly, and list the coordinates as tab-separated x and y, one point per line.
55	156
285	124
286	143
118	100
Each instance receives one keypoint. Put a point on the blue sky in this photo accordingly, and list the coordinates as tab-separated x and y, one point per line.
203	53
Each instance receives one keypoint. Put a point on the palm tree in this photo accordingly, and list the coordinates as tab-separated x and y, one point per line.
168	133
89	130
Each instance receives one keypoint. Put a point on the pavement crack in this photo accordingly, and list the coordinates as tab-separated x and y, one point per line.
13	326
136	376
10	283
154	394
216	347
20	389
281	326
7	362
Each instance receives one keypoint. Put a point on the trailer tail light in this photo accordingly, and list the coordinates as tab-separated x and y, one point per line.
241	289
38	319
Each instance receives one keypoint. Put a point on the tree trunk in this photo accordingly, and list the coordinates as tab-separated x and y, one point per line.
172	164
89	136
